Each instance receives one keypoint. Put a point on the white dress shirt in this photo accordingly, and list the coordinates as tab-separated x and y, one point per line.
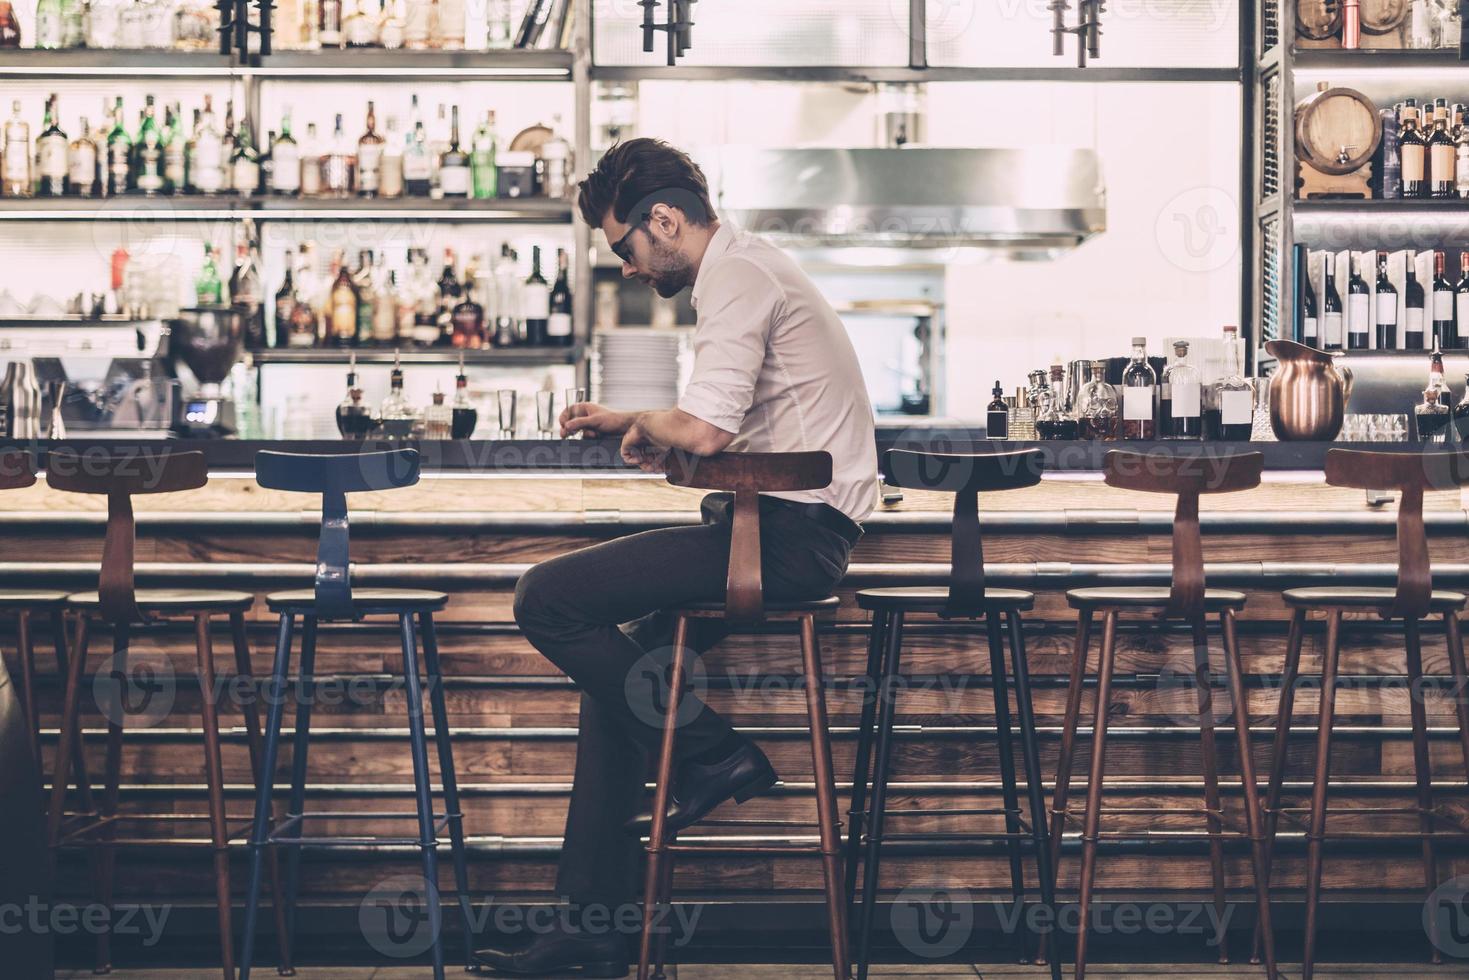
773	364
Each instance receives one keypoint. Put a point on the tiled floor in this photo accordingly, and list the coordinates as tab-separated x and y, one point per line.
1151	971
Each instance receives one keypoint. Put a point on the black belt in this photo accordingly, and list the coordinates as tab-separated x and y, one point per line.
824	514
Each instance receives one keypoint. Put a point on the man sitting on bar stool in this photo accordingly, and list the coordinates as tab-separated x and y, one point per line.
774	371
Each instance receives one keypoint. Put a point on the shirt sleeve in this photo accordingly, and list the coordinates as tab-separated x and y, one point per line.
736	312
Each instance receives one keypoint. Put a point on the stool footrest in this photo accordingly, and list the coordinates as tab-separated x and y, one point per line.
1025	836
754	822
1298	815
278	834
764	847
957	812
84	825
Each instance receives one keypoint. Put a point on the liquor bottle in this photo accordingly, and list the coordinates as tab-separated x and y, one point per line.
310	153
175	171
482	159
285	301
51	150
426	331
1310	322
1359	308
305	324
1053	421
1431	418
354	418
997	415
343	330
396	416
208	289
205	163
508	300
1413	148
1182	389
469	320
366	296
1387	307
500	25
119	154
1445	333
370	157
465	415
227	149
285	175
390	170
535	299
247	294
359	28
1139	383
417	167
50	29
454	164
1441	160
1331	311
330	34
1413	307
267	162
1461	161
438	418
16	156
449	24
338	164
1436	376
1096	406
390	29
81	164
385	309
438	145
148	152
1234	396
9	26
245	165
406	302
449	294
1391	179
558	327
418	24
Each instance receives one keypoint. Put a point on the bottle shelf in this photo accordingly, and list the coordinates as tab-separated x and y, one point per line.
1456	207
489	357
1337	59
200	207
338	65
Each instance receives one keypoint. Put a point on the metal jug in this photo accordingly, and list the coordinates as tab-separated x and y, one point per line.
20	399
1308	393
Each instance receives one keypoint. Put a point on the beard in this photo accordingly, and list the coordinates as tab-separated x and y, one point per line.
669	270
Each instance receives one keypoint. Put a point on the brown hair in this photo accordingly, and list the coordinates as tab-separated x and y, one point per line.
643	172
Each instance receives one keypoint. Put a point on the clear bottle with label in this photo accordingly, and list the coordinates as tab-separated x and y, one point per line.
438	418
338	164
499	24
1052	421
330	35
997	415
454	164
51	151
1432	418
1182	395
482	159
205	164
81	164
370	157
175	143
310	153
1096	406
390	167
385	308
17	155
417	168
343	309
1139	390
285	175
1234	394
245	167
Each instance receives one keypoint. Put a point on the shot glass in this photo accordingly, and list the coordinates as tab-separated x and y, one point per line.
545	413
505	398
574	396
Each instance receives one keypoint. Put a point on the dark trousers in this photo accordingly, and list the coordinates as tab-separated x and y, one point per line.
595	614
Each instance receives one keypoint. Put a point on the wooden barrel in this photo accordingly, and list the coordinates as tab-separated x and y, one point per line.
1383	16
1333	118
1318	20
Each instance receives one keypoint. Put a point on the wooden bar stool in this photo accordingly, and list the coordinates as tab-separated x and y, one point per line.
965	597
1410	474
124	608
747	474
333	598
1188	600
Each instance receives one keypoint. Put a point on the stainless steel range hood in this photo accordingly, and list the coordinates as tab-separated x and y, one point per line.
1025	203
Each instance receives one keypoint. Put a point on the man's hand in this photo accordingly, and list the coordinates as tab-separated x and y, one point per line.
594	419
639	449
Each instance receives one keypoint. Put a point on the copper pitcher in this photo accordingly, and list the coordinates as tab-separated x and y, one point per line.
1308	393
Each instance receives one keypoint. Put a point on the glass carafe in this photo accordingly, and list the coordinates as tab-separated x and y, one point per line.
1096	406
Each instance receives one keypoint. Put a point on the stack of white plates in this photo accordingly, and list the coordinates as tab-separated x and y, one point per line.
637	369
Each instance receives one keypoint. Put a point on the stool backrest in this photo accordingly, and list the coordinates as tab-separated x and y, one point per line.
964	476
746	474
1410	474
120	478
334	476
1187	477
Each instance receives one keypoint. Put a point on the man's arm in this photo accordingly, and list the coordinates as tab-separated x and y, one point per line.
653	434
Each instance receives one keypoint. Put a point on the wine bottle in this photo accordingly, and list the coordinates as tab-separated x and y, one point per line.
1413	302
1331	310
1359	308
1310	321
536	299
454	163
1413	149
1387	307
558	326
1445	334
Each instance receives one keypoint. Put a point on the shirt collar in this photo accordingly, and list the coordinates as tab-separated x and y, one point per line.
718	245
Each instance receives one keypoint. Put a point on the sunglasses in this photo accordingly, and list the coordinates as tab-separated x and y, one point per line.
622	248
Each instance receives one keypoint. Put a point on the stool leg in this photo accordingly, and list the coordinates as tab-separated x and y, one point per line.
426	840
1008	792
305	697
214	775
78	754
1318	789
69	743
826	798
657	834
1288	674
665	900
1239	695
887	708
106	853
1204	681
260	828
1094	786
253	738
861	771
1035	790
452	810
1422	772
1461	682
1068	737
26	653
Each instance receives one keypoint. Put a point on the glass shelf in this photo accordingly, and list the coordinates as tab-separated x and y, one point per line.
198	207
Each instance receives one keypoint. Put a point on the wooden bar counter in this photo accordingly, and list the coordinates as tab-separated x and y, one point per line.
473	532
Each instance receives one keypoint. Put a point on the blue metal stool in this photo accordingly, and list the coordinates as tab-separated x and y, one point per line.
334	599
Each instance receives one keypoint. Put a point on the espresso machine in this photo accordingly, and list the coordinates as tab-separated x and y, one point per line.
204	344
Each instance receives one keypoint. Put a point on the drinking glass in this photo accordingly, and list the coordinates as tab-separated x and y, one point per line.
574	396
545	413
506	399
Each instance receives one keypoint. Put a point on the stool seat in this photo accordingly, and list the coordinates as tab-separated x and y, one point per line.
175	600
365	600
10	598
923	598
771	606
1367	596
1145	596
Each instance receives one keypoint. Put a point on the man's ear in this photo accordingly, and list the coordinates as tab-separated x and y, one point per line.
667	220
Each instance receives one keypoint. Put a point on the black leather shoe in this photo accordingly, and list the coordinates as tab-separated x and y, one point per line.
698	788
559	953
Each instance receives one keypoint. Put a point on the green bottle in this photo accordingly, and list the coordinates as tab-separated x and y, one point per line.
208	288
148	153
482	159
119	155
